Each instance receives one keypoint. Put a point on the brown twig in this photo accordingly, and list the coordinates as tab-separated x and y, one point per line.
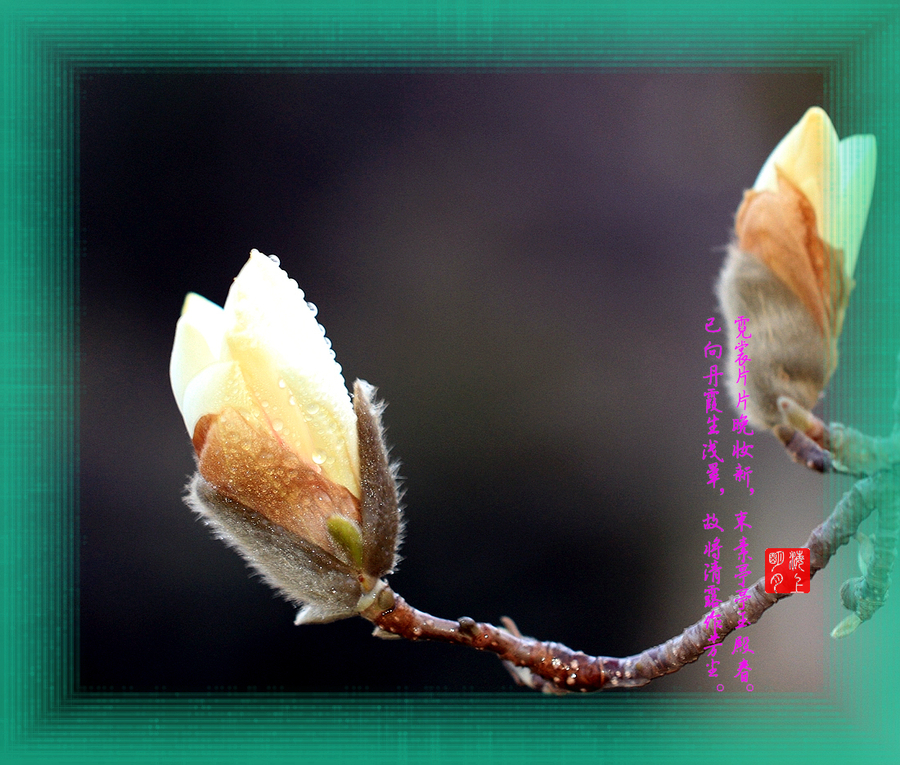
568	669
554	668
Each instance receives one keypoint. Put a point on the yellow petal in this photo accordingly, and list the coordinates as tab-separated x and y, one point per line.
218	386
837	178
808	157
290	369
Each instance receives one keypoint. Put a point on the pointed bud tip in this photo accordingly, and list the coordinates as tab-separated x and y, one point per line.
802	155
199	308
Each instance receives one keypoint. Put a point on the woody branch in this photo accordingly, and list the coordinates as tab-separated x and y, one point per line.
555	668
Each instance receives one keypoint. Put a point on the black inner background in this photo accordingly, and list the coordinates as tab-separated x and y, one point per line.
523	263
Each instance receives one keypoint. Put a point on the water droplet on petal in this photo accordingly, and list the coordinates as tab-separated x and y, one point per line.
277	425
312	308
282	384
312	408
319	457
321	330
292	401
275	260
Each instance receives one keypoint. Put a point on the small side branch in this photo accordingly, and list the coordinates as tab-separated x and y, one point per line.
865	595
803	449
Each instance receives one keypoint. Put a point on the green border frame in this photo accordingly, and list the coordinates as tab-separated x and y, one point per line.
43	44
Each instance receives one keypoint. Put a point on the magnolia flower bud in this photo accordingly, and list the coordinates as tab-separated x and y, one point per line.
789	271
290	473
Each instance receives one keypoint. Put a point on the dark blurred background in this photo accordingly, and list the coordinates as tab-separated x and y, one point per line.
523	263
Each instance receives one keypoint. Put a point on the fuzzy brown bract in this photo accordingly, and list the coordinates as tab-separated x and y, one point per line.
787	350
318	575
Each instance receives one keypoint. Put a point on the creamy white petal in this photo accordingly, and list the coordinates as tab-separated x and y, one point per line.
858	157
217	386
198	342
290	369
208	317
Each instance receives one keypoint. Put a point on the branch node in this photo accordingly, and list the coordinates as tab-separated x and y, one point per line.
468	626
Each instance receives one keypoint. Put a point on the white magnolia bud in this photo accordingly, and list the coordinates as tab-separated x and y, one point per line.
789	271
291	473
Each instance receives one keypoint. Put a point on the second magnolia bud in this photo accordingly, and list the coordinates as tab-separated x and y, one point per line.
787	351
789	271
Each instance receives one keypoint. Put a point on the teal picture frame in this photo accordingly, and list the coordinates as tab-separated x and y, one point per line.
44	714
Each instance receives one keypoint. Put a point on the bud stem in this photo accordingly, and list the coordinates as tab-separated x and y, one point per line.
825	448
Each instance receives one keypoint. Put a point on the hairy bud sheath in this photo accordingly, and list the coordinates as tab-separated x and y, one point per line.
290	472
789	271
